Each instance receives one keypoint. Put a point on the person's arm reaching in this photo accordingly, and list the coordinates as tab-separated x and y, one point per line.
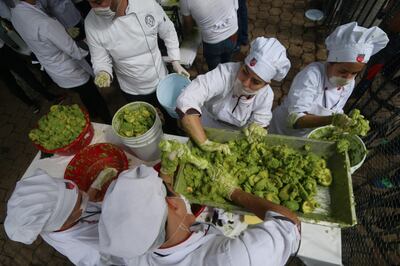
309	121
57	35
101	59
260	206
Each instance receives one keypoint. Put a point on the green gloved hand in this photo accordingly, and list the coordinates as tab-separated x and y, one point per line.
254	132
102	79
225	182
341	120
73	32
173	153
105	175
211	146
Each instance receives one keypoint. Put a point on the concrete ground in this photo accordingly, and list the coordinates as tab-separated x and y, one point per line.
283	19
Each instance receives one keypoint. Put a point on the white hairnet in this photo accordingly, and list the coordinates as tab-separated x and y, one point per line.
134	213
352	43
267	58
39	203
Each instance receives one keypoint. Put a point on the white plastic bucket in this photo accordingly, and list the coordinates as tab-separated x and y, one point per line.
168	90
145	146
357	138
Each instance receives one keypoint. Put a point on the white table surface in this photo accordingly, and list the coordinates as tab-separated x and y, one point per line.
320	245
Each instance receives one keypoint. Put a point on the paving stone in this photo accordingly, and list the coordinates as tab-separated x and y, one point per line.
275	11
308	58
297	63
44	252
262	15
285	26
264	7
286	86
277	3
286	16
308	47
6	260
271	29
298	21
283	35
309	36
285	43
296	40
295	50
321	55
257	32
273	20
261	23
55	261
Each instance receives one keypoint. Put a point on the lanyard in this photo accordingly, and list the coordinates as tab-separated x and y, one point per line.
324	98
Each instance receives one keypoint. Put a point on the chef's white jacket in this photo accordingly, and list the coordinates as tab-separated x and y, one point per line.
4	11
63	10
62	59
80	243
310	93
267	243
129	43
212	95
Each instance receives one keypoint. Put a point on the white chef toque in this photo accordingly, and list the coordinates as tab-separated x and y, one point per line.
267	58
134	214
352	43
39	203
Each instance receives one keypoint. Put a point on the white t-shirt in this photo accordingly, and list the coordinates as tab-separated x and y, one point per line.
217	19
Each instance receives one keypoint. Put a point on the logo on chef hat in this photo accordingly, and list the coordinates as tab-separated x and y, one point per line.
360	58
149	20
69	185
253	62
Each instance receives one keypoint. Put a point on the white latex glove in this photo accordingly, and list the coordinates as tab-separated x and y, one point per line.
225	183
105	175
73	32
102	79
179	69
211	146
254	132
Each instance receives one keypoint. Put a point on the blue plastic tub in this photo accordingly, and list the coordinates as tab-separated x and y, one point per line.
168	91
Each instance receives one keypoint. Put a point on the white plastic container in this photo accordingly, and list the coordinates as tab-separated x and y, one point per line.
168	90
356	138
145	146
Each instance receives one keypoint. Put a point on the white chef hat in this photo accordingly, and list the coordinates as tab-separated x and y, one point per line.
39	203
133	214
267	58
352	43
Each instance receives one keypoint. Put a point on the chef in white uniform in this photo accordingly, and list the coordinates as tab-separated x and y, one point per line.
320	91
64	216
123	34
147	223
59	55
234	94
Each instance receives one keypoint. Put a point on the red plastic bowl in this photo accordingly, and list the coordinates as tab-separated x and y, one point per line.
91	160
84	139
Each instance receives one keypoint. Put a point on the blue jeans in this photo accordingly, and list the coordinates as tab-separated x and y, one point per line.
243	36
217	53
